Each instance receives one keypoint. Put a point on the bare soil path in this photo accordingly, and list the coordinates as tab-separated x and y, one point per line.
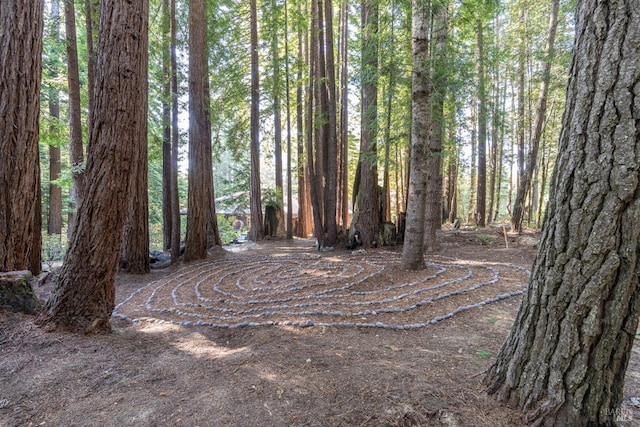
277	334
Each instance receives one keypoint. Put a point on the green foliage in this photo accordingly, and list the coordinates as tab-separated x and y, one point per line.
54	248
484	239
272	197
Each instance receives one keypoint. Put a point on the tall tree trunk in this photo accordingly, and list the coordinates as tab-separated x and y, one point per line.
565	359
304	195
314	148
527	176
92	16
76	149
167	222
481	206
176	221
255	199
201	226
344	115
277	119
472	215
331	177
92	259
413	248
436	92
20	196
368	199
135	246
288	107
54	224
521	102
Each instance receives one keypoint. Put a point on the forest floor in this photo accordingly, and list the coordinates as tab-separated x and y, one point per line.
277	334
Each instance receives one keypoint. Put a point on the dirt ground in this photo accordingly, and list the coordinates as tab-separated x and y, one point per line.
277	334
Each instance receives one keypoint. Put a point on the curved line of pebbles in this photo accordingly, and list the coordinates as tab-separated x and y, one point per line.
265	290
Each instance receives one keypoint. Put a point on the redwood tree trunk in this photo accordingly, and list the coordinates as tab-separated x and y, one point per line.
255	201
200	210
368	221
565	360
84	296
20	199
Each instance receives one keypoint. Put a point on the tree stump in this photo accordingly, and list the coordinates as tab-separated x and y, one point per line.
16	293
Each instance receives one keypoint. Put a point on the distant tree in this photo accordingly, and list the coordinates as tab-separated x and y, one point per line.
84	296
20	194
527	176
54	223
565	359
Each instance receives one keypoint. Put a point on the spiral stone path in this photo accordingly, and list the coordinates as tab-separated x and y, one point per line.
359	289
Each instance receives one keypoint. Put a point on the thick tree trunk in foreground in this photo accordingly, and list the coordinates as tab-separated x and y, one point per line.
84	296
20	70
565	360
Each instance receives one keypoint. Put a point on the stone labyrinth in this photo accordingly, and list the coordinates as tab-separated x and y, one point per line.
367	290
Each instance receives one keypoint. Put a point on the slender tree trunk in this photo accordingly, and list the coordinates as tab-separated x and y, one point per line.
277	119
565	359
525	182
54	217
413	249
76	150
255	199
368	198
20	194
481	206
288	107
472	212
176	221
304	195
331	177
436	93
344	115
167	222
96	243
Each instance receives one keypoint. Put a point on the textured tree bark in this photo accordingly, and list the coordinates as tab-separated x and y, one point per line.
54	222
413	248
135	245
368	198
255	201
201	224
437	89
565	359
84	296
21	25
76	149
167	212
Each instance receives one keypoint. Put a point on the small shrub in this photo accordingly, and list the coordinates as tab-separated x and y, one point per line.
484	240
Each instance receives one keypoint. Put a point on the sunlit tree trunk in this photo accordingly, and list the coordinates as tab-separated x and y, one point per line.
413	248
481	204
565	359
201	225
255	199
84	296
167	222
20	194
